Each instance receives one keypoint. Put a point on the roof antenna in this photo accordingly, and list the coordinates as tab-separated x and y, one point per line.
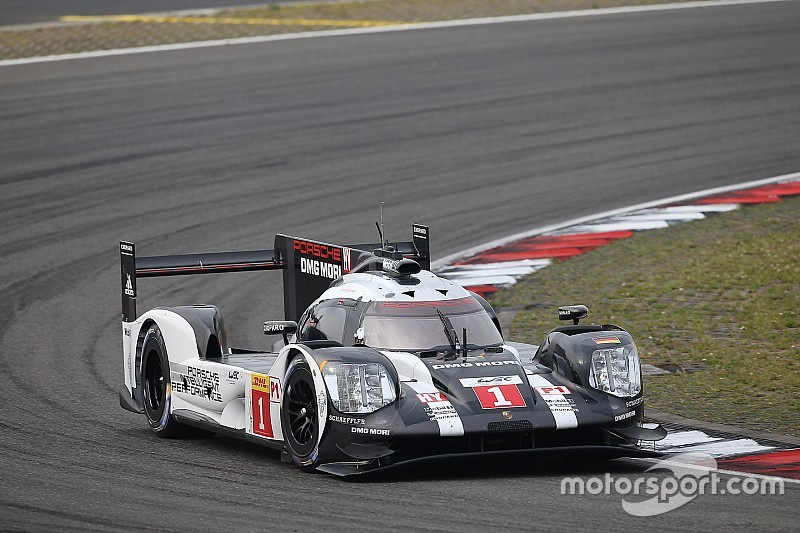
385	250
384	242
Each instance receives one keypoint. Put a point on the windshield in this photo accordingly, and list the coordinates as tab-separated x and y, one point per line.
416	326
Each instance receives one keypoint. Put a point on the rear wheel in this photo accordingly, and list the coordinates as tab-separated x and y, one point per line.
156	386
299	415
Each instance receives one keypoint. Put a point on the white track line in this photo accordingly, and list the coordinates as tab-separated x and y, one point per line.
667	216
496	280
603	227
725	448
682	438
385	29
531	264
691	209
499	271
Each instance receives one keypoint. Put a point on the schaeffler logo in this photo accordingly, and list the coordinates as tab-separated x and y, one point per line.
692	474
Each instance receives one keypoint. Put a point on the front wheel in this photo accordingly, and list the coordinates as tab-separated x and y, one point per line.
299	415
156	386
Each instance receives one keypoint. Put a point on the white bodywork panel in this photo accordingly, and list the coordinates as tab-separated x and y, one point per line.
248	396
230	395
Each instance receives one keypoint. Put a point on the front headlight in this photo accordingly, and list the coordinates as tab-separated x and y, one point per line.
358	387
616	371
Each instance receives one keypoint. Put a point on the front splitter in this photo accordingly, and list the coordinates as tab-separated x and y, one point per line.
601	453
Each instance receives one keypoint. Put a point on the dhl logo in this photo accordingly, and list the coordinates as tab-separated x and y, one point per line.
260	382
271	386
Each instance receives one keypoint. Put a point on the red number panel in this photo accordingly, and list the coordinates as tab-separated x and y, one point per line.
262	422
499	396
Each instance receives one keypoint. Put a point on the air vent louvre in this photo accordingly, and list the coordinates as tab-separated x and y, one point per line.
511	425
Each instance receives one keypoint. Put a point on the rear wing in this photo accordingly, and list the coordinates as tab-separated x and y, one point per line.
308	266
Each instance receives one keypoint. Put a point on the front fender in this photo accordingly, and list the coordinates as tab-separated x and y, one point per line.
341	430
570	355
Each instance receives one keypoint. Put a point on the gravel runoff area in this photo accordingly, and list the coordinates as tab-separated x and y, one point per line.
83	34
716	300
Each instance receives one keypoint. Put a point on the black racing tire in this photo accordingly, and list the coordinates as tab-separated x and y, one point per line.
156	386
299	417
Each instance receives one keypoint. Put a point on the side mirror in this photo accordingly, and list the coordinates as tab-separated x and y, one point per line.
358	337
280	327
573	312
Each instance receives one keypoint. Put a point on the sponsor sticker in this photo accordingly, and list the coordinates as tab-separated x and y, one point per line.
560	404
475	364
634	403
129	287
441	410
198	382
346	420
317	259
260	382
275	390
369	431
260	398
318	250
274	327
553	390
623	416
435	303
428	397
490	380
561	407
322	402
607	340
320	268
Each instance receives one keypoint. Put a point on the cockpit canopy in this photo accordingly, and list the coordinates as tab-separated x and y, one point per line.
400	325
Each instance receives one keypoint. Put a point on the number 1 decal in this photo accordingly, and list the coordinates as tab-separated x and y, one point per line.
259	405
261	412
499	396
499	399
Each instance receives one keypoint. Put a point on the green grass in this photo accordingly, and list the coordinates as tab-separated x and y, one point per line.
724	291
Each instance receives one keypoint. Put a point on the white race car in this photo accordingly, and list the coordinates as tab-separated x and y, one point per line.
381	362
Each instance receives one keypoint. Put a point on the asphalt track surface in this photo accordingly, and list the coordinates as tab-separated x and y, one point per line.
33	11
480	132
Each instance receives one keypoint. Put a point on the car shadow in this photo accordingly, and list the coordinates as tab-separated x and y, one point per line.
499	467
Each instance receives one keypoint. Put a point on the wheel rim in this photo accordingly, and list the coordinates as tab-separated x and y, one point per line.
302	414
154	383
